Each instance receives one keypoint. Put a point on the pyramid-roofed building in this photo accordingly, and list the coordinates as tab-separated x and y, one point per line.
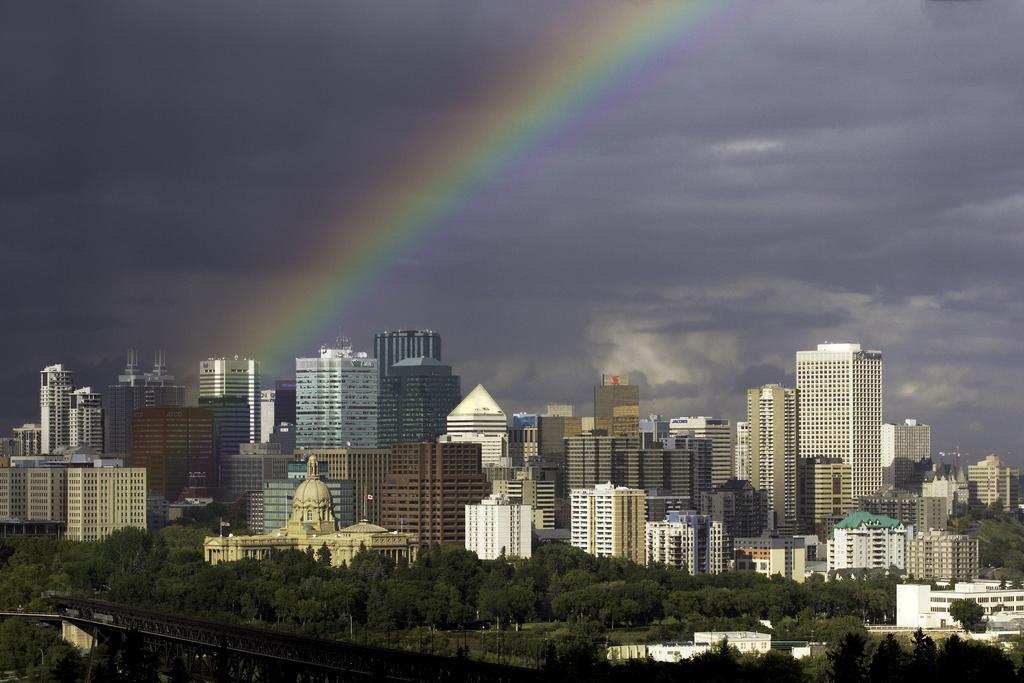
479	419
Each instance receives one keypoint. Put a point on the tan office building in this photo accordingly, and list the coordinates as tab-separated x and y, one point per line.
525	490
102	500
365	467
609	521
823	491
33	493
617	406
772	430
990	481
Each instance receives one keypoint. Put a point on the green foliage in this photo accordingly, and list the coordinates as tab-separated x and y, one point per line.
966	612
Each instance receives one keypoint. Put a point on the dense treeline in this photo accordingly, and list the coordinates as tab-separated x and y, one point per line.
558	609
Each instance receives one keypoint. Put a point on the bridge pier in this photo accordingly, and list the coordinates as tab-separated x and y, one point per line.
80	638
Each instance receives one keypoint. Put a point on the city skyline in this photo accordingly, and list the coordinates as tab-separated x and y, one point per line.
692	228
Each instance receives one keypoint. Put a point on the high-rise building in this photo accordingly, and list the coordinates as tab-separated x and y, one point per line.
248	469
742	510
524	486
653	431
990	481
284	401
234	378
616	406
55	387
85	419
867	541
558	410
921	512
279	494
523	446
28	439
719	431
415	400
588	458
268	400
392	346
176	447
938	556
609	521
903	445
499	527
366	468
741	454
839	401
949	482
34	493
230	423
772	427
336	402
135	390
478	419
823	491
770	555
686	540
429	487
102	500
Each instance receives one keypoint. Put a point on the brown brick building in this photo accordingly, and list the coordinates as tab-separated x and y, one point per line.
428	488
176	447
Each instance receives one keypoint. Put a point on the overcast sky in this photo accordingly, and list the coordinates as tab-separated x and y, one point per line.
843	171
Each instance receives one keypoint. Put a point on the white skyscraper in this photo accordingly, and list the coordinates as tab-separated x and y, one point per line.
719	431
609	521
336	400
839	402
267	397
498	526
85	419
903	444
772	428
479	419
55	387
237	378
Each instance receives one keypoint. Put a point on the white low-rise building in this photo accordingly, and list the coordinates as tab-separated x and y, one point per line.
919	606
498	526
747	642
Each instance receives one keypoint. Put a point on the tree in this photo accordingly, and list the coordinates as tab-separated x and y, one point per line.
922	659
847	660
966	612
888	662
323	555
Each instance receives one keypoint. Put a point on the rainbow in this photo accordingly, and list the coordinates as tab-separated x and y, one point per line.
615	44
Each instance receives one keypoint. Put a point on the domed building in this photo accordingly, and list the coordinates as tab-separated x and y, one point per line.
312	526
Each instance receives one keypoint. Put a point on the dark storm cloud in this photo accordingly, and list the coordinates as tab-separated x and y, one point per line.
842	170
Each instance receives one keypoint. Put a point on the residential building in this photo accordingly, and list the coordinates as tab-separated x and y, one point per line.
135	390
719	431
237	378
824	491
499	527
616	406
772	427
33	493
921	512
101	500
336	400
769	555
312	527
524	486
176	447
428	488
28	439
739	507
686	540
392	346
921	606
479	419
268	399
741	454
55	386
416	398
608	521
662	502
940	556
85	419
839	401
366	468
991	481
903	445
866	541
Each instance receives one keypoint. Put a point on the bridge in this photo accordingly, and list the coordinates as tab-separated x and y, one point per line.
217	651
